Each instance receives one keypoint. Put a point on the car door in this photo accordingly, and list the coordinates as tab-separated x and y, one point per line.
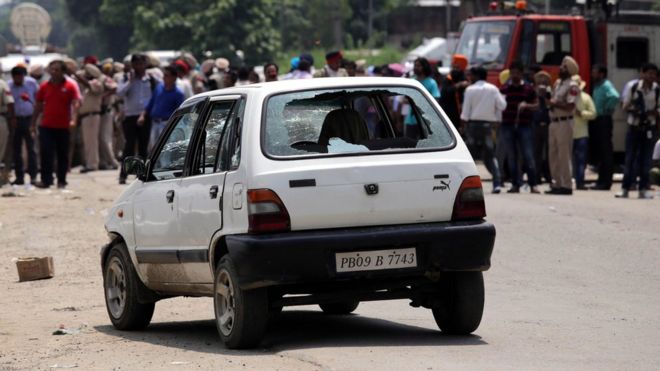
156	202
200	197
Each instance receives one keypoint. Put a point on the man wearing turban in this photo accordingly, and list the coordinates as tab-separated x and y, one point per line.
565	95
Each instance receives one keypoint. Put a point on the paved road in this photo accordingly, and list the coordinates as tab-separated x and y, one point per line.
574	285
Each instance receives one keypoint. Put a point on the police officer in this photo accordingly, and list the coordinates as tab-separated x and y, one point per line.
91	80
7	122
565	94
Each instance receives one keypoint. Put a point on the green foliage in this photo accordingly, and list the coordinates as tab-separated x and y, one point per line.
259	28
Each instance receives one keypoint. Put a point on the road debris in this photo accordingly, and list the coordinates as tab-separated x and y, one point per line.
66	309
33	268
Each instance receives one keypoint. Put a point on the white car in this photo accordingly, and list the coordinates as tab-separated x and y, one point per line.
324	191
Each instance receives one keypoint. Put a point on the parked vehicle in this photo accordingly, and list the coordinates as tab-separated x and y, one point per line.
621	40
436	50
301	192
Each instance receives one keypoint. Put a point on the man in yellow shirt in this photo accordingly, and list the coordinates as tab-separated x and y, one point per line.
585	111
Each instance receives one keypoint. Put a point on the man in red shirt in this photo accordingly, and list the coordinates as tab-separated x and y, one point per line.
57	101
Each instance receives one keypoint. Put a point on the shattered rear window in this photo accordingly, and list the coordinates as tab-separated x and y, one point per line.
352	120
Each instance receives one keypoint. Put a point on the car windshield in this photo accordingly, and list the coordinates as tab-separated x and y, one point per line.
352	120
486	43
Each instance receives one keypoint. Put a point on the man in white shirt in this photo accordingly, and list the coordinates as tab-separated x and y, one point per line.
643	107
482	110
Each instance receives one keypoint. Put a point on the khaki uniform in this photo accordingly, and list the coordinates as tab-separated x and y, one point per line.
5	133
90	122
106	133
560	133
327	72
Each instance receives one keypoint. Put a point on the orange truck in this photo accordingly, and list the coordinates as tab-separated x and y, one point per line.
621	40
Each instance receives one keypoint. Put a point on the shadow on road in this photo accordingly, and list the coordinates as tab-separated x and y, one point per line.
294	329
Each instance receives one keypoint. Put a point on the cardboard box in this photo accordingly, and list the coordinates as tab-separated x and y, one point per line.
30	269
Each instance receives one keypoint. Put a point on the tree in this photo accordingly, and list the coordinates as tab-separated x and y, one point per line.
219	26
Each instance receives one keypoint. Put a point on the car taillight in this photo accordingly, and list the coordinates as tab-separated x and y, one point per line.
469	203
266	212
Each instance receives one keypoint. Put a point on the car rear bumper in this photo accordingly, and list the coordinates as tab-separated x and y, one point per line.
309	256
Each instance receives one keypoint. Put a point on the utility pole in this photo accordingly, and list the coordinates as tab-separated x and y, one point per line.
447	19
370	26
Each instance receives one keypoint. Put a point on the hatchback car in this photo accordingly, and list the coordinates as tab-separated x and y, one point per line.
326	191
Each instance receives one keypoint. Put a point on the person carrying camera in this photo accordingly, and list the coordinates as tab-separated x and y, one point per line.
642	108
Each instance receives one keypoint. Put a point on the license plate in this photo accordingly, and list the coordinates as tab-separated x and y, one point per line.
376	260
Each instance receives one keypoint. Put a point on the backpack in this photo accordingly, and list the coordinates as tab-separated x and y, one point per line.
638	105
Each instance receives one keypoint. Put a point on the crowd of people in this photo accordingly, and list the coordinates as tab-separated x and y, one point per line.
551	132
528	130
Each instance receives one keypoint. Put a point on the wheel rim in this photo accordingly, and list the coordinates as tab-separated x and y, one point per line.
225	303
115	291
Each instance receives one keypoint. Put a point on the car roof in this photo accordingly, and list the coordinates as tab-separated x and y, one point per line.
268	88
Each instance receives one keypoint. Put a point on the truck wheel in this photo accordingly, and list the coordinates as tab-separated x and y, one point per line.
121	285
343	307
462	303
240	315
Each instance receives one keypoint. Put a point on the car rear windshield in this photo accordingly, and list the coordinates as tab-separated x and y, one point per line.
349	121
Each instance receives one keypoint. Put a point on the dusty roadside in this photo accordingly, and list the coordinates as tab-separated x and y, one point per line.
573	286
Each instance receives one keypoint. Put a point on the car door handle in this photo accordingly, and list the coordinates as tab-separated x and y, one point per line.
170	196
213	192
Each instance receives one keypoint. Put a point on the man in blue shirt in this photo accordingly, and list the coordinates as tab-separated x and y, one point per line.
24	90
605	97
135	89
165	100
423	74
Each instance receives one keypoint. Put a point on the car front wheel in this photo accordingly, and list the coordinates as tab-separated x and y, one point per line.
462	303
120	284
240	315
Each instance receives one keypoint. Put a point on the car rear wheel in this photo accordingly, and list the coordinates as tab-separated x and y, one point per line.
240	315
120	284
343	307
462	303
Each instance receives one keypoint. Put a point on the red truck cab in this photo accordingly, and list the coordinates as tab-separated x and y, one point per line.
543	40
621	41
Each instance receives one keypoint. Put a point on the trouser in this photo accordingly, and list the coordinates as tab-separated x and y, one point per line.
518	145
501	155
6	153
157	128
106	151
541	152
480	143
560	149
22	135
580	152
4	139
134	134
600	139
118	139
91	126
54	142
639	150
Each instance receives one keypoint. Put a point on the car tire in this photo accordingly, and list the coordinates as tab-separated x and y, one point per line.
121	290
462	303
343	307
241	316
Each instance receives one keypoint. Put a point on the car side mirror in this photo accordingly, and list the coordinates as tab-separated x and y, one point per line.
134	165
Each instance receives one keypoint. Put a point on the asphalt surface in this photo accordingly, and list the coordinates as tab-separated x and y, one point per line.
574	284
